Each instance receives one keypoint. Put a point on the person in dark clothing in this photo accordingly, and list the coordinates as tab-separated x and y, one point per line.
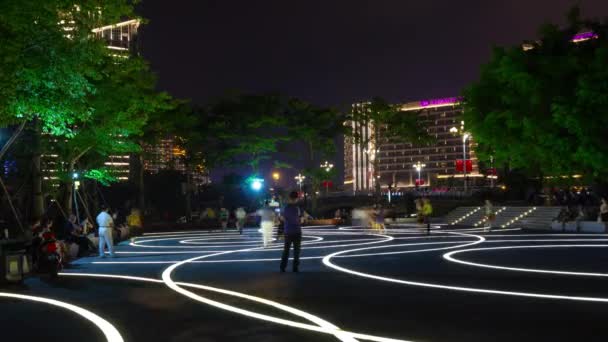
292	231
74	234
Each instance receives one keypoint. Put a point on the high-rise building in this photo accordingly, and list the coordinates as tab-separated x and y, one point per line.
396	159
168	154
121	40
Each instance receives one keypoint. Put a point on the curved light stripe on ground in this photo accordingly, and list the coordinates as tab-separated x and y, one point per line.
328	263
109	331
340	334
324	326
449	256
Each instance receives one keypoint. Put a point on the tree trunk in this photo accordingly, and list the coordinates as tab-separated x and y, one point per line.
68	190
38	196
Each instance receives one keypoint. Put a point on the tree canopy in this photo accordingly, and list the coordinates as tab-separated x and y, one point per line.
49	61
544	109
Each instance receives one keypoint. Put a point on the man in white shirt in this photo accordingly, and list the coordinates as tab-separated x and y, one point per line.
105	223
266	223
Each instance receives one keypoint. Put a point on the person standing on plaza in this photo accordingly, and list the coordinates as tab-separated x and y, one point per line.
603	217
241	215
291	217
427	210
224	218
266	223
490	215
106	224
379	218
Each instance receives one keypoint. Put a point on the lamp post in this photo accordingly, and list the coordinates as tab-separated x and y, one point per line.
327	166
465	136
275	177
493	173
75	177
300	179
419	166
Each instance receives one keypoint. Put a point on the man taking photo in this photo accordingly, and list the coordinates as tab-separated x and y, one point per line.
293	232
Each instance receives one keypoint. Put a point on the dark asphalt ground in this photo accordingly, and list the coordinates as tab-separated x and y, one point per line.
153	312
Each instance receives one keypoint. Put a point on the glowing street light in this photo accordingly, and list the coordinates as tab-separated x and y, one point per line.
419	166
276	176
257	184
300	179
465	136
327	166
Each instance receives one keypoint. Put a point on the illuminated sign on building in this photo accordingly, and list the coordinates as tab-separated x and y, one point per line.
443	101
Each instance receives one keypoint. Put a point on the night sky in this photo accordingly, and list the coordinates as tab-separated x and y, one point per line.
335	52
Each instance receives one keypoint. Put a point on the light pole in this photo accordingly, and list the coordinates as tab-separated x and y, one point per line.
300	179
465	136
327	166
75	177
419	166
493	172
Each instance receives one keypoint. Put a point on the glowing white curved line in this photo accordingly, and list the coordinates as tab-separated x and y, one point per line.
140	243
328	263
317	320
109	331
340	334
449	257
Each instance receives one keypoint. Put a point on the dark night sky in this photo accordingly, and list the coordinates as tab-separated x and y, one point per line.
335	52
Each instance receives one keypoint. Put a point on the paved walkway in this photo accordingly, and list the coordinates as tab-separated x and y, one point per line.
354	285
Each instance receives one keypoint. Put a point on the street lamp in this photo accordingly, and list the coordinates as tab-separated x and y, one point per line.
300	179
276	176
419	166
75	177
465	136
327	166
257	184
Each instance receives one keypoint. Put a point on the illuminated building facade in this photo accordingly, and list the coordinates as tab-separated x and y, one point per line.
168	154
359	155
121	40
396	159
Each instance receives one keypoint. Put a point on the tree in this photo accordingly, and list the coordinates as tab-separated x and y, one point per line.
316	128
50	63
243	129
544	110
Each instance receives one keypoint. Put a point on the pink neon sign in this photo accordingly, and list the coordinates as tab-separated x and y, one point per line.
443	101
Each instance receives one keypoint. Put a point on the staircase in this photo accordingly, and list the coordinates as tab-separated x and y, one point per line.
509	214
506	217
541	218
484	219
464	216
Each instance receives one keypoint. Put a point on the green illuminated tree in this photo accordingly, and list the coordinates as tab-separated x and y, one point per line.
544	110
124	102
50	64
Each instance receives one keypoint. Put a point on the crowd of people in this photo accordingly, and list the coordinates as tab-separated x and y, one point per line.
580	212
70	238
